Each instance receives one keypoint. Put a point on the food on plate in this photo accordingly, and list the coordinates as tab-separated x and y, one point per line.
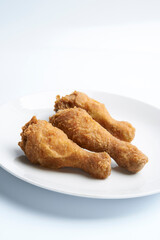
87	133
120	129
50	147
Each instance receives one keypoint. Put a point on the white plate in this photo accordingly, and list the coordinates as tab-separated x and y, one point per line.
120	184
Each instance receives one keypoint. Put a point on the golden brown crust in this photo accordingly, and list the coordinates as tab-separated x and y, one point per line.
50	147
87	133
120	129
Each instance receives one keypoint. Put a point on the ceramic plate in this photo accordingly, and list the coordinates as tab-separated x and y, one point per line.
120	184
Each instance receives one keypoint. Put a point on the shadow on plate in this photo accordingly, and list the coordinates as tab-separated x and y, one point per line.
53	204
120	170
23	159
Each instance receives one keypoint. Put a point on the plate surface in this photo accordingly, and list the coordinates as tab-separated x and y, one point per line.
120	184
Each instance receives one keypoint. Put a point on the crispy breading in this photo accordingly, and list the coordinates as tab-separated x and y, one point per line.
120	129
87	133
50	147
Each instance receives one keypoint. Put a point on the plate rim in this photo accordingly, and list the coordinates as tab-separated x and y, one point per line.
40	185
34	183
80	90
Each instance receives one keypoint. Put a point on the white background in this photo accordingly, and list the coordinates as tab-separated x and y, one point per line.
112	46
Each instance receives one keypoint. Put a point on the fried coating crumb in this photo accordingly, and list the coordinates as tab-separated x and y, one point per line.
50	147
87	133
120	129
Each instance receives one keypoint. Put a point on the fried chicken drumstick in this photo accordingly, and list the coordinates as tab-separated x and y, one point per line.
120	129
87	133
50	147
